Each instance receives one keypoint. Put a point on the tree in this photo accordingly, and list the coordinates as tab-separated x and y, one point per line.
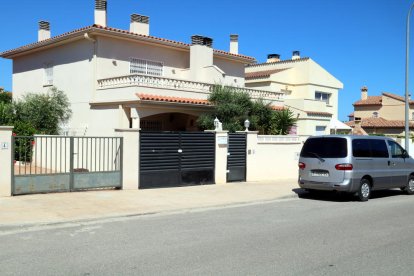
232	108
6	108
5	97
45	112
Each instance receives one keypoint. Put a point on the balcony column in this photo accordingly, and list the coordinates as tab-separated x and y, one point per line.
135	118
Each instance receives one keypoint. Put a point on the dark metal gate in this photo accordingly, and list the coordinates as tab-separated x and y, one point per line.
236	158
44	164
170	159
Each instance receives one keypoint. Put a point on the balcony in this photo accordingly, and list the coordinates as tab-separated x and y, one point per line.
179	85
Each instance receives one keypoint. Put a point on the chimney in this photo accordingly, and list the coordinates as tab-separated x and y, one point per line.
234	44
139	24
201	40
44	31
100	12
201	56
273	58
295	55
364	93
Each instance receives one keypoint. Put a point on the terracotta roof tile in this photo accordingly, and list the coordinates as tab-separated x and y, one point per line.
262	74
159	98
277	107
351	115
396	97
377	100
380	123
113	30
319	113
371	100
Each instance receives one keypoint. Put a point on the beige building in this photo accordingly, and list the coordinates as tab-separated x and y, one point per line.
309	90
384	114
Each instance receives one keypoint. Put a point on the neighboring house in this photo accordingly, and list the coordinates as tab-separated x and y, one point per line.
128	79
383	114
310	91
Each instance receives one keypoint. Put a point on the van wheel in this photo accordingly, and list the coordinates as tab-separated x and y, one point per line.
364	191
409	188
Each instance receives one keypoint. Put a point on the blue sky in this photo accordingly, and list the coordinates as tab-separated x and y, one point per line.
360	42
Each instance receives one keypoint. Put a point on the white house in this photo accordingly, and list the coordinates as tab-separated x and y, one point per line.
119	79
129	79
309	90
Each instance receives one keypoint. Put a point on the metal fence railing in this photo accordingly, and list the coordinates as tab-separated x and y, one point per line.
58	163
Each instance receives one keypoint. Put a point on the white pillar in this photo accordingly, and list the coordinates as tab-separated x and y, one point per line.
130	165
222	141
251	155
6	158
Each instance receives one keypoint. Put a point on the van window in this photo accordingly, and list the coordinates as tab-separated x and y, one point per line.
372	148
396	150
325	147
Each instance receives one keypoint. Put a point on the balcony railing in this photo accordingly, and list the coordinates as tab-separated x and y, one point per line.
177	84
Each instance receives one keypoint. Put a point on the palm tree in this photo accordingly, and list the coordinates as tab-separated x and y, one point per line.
283	121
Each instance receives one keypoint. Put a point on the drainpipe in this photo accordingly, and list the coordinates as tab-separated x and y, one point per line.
95	64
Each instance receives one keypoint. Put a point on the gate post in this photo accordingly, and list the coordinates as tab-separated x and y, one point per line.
222	140
6	160
130	156
251	155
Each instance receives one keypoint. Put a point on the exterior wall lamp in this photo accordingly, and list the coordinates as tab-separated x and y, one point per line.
216	124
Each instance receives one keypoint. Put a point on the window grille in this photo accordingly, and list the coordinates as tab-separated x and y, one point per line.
146	67
151	125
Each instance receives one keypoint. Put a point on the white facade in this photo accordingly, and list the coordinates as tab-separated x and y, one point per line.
100	69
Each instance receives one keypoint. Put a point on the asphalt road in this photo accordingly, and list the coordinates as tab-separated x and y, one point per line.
322	235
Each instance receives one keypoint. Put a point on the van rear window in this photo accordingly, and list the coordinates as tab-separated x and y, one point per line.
325	147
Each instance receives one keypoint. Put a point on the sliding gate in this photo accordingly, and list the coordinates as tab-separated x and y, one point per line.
44	164
170	159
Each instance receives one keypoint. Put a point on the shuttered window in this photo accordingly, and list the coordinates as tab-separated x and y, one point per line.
146	67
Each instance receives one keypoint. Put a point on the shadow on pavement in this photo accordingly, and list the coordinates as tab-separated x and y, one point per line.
343	197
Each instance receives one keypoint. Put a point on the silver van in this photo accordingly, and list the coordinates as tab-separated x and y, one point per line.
355	164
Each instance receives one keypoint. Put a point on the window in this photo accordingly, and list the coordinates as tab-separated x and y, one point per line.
322	96
325	147
371	148
48	74
396	150
146	67
375	114
320	130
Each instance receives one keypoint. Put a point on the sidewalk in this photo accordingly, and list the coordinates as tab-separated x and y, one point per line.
41	209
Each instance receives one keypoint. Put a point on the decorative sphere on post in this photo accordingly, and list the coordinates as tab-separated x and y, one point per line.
246	125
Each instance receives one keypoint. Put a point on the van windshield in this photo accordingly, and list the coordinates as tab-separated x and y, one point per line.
325	147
